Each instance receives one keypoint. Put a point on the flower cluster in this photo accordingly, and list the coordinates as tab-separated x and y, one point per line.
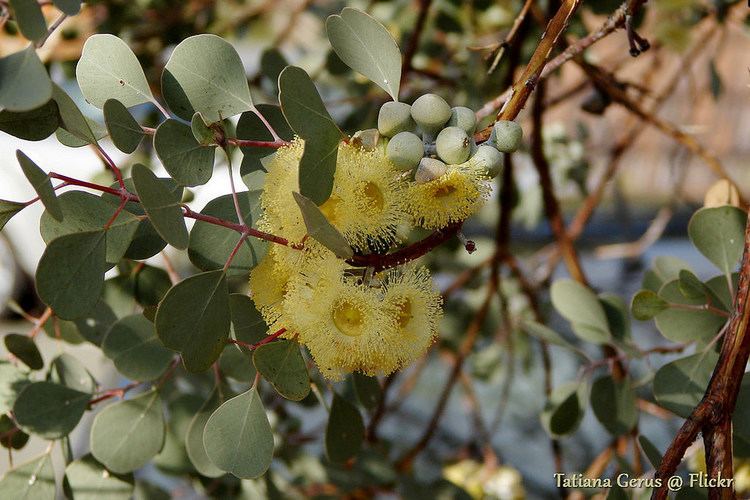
355	319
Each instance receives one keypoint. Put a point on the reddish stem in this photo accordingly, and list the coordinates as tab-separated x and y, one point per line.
258	144
266	340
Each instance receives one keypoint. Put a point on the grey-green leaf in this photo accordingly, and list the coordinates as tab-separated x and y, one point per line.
679	386
30	19
210	244
205	74
41	183
345	430
579	305
33	480
238	437
201	132
71	117
564	410
24	348
49	410
125	132
307	116
135	349
247	322
546	334
652	452
68	371
690	286
127	434
193	319
163	211
320	229
34	125
281	363
70	7
366	46
7	210
108	69
24	82
70	275
87	212
194	437
647	304
251	127
719	234
663	270
186	160
684	325
89	480
614	404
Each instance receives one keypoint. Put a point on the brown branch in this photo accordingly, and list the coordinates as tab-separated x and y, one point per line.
413	45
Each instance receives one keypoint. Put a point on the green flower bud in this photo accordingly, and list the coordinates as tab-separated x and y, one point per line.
431	112
405	150
506	136
489	159
463	118
428	170
453	145
395	117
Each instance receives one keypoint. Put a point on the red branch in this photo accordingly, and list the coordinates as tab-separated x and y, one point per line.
266	340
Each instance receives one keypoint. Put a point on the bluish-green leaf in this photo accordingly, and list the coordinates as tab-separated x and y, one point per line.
73	140
205	74
49	410
33	480
30	19
7	210
70	275
719	234
70	7
125	132
652	452
564	410
165	213
210	244
34	125
679	386
67	370
690	286
127	434
579	305
108	69
24	348
24	82
663	270
614	404
193	319
684	325
307	116
281	363
345	430
366	46
41	183
320	229
247	322
89	480
194	436
84	212
647	304
187	161
135	349
238	437
201	132
12	381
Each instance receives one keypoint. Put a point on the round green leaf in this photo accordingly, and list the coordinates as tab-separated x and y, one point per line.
108	69
72	120
247	322
67	331
28	15
614	404
68	371
126	133
87	212
320	229
679	386
95	325
281	363
194	437
165	213
345	430
74	139
33	480
308	117
24	82
210	245
579	305
205	74
41	183
135	349
50	410
7	210
186	160
237	364
127	434
719	234
251	127
663	270
564	410
681	325
201	132
89	480
193	319
24	348
33	125
70	275
173	457
647	304
238	437
366	46
367	389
